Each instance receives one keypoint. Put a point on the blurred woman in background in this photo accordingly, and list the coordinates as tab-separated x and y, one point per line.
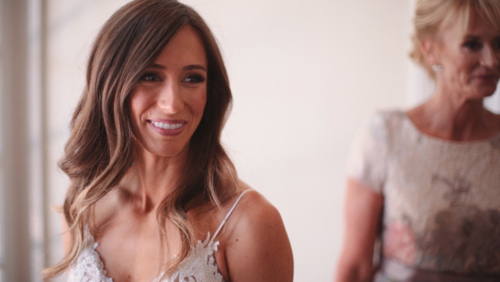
154	196
425	183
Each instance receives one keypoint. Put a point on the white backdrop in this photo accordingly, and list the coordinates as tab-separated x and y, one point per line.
304	74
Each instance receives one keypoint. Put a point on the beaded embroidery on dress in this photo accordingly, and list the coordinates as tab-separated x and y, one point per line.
198	266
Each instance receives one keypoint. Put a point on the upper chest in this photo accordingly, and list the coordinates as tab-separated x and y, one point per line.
132	248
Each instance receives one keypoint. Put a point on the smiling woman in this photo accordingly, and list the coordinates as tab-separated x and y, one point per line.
169	99
154	196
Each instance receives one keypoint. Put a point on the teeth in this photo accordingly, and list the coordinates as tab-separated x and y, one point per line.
166	125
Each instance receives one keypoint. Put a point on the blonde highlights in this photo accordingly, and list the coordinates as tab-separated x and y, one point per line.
101	145
432	16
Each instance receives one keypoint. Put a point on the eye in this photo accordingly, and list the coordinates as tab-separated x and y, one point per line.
496	44
195	78
150	77
473	45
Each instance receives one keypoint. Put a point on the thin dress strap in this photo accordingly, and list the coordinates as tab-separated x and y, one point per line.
229	213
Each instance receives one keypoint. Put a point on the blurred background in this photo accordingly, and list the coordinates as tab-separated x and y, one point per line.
304	75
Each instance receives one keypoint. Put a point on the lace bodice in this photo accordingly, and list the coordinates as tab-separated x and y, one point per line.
198	266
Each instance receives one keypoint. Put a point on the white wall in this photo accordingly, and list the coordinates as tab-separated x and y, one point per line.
304	74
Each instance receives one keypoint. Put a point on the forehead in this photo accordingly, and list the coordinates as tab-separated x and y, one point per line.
476	25
479	25
185	47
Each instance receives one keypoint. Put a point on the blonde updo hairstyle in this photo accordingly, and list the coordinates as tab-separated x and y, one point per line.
432	16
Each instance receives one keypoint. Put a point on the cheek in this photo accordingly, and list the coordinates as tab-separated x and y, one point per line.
203	102
199	104
467	69
467	63
461	69
455	61
132	110
137	104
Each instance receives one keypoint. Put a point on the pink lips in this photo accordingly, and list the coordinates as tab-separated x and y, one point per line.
487	77
167	127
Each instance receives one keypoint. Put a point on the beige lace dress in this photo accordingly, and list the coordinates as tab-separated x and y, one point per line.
441	199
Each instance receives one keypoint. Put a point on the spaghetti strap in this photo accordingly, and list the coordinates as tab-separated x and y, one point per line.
229	213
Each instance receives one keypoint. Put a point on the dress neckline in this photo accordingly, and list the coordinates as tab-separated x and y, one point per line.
442	140
207	248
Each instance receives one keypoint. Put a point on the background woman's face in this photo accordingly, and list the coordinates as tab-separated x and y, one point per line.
470	61
167	103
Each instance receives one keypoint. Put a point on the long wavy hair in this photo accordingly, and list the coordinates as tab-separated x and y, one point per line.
432	16
100	149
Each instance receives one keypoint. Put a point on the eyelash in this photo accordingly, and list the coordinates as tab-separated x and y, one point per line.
192	79
496	44
472	45
146	77
475	45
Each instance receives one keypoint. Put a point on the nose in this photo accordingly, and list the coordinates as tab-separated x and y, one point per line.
490	57
170	98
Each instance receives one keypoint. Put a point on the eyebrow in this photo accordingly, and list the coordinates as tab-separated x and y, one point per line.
195	67
188	67
471	36
474	36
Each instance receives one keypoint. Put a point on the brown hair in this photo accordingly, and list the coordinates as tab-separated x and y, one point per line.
100	148
432	16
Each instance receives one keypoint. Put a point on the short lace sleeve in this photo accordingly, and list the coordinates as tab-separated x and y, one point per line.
368	157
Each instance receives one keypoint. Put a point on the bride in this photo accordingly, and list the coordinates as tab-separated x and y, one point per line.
153	195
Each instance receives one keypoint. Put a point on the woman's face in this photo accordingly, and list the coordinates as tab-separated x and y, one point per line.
167	103
470	61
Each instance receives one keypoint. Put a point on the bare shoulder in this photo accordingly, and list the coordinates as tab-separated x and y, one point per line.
257	247
254	213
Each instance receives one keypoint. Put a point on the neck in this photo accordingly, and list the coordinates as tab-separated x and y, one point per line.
151	179
455	118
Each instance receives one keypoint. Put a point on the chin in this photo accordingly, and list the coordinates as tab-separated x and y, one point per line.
487	93
170	152
487	90
166	151
482	92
